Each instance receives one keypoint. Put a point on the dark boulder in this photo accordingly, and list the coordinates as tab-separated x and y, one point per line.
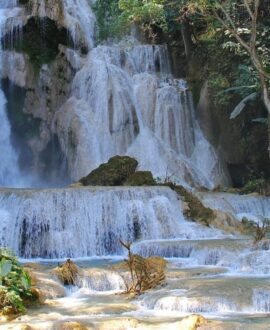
114	173
141	178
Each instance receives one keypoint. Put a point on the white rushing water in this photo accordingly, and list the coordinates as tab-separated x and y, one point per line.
251	207
9	169
88	222
125	101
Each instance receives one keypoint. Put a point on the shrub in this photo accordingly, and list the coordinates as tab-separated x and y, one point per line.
15	285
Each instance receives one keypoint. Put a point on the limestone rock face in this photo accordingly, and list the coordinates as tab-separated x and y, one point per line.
226	221
52	9
77	18
15	68
47	92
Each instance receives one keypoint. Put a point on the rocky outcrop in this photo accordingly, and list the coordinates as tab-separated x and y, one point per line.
52	9
141	178
114	173
194	208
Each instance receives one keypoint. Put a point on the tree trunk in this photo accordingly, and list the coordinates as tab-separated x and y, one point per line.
266	100
187	38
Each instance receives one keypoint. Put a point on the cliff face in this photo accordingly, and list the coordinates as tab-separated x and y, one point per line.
39	61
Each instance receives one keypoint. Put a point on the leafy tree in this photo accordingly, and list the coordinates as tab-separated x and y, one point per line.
242	20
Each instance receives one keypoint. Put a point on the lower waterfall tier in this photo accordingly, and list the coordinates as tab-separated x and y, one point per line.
83	222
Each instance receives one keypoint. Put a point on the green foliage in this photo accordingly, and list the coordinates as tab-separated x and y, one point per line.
142	11
115	17
15	284
254	185
109	19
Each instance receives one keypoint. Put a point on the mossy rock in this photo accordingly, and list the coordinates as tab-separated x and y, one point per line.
114	173
197	211
141	178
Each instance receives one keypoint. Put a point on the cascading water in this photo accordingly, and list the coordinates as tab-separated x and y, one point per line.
9	169
125	101
89	222
256	208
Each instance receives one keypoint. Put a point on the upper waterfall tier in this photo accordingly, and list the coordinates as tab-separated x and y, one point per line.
120	98
125	101
89	221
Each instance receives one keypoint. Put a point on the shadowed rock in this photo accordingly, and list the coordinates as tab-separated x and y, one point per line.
114	173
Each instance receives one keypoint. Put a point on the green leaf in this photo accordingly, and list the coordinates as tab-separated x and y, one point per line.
260	120
5	267
26	281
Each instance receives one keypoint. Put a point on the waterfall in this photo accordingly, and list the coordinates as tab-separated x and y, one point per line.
125	101
252	207
9	169
89	222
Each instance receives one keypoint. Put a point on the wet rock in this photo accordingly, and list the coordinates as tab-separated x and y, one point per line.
114	173
195	208
226	221
141	178
192	322
71	326
45	285
119	324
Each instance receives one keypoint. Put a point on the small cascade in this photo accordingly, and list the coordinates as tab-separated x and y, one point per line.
80	21
100	280
202	250
182	304
252	207
261	300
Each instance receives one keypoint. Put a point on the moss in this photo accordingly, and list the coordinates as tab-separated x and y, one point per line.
141	178
114	173
197	211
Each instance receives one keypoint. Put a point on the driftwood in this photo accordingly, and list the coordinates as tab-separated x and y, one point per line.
146	273
67	273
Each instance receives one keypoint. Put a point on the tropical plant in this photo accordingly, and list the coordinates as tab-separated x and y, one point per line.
15	285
